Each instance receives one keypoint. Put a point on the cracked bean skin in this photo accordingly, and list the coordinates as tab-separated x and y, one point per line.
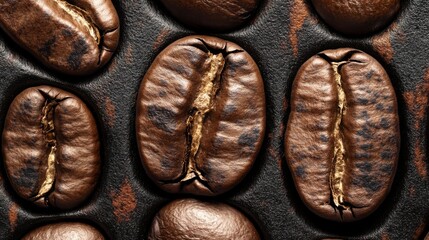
75	37
357	17
342	149
219	15
65	230
195	219
200	116
52	157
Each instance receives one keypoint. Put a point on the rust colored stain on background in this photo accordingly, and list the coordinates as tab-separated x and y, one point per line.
160	39
298	14
419	234
110	110
417	104
13	216
382	43
124	202
385	236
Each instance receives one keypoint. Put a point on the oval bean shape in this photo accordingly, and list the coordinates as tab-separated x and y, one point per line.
358	17
63	231
220	15
74	37
51	148
342	140
194	219
200	116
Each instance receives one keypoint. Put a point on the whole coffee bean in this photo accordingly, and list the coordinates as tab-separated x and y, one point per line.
74	36
200	116
65	231
50	148
357	17
194	219
342	139
219	15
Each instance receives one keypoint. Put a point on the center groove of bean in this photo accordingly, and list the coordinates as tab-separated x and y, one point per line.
48	130
202	105
339	160
82	17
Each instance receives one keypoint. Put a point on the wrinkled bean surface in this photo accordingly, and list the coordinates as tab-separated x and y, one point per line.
51	148
195	219
357	17
342	139
200	116
74	37
220	15
64	231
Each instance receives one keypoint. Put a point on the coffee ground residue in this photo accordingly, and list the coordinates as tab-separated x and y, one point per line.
417	103
13	216
123	201
298	15
110	110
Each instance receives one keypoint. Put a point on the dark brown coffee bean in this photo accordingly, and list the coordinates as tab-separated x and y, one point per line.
342	139
74	36
64	231
50	147
195	219
200	116
357	17
220	15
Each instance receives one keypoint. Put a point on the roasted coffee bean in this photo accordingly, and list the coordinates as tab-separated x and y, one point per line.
219	15
194	219
357	17
64	231
200	116
50	148
342	139
72	36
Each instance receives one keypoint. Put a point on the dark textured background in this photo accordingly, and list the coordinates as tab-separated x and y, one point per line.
283	35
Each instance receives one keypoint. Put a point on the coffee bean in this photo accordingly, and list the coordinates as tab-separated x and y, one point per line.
74	37
200	116
50	148
63	231
195	219
341	148
357	17
219	15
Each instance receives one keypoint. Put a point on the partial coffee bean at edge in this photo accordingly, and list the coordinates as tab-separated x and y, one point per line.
74	37
51	148
65	231
224	15
359	17
342	140
200	116
195	219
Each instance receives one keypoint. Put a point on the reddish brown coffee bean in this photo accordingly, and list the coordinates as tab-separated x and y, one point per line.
195	219
51	148
200	116
65	231
220	15
74	36
357	17
342	140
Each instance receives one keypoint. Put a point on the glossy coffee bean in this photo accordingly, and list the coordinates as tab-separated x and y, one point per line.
51	149
74	37
200	116
358	17
195	219
64	231
342	140
219	15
